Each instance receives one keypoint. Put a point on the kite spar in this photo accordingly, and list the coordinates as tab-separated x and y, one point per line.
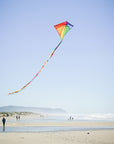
62	29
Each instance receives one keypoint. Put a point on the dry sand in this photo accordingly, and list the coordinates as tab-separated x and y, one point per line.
72	137
67	137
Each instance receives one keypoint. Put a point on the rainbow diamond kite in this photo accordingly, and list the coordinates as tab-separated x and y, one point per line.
62	29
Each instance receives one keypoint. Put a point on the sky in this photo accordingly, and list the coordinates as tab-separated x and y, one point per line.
80	76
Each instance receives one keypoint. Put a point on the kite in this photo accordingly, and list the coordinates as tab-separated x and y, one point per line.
62	29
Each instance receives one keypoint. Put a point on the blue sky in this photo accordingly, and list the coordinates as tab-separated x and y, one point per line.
80	76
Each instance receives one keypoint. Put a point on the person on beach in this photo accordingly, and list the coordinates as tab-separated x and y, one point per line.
71	118
3	121
17	117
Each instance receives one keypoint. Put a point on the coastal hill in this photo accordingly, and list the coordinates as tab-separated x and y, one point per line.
41	110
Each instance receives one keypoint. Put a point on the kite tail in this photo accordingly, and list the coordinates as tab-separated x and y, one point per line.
50	56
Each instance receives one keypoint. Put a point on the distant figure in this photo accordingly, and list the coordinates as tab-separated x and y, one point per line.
71	118
17	117
3	121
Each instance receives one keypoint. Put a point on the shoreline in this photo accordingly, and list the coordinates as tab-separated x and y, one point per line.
51	129
56	126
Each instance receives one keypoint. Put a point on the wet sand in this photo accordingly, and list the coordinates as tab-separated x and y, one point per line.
64	124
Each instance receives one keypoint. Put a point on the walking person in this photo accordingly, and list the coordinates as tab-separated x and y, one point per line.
3	121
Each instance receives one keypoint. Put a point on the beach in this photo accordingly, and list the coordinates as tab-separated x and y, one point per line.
70	137
105	136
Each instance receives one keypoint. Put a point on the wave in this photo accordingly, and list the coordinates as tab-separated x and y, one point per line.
97	116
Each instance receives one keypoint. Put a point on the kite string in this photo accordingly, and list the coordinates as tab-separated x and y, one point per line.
50	56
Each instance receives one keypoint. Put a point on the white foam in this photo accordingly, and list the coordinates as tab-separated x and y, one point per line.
97	116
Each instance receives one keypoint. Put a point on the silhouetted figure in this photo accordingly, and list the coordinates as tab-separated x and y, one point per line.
3	121
71	118
17	117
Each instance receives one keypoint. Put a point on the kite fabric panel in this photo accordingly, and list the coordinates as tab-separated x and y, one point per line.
62	29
